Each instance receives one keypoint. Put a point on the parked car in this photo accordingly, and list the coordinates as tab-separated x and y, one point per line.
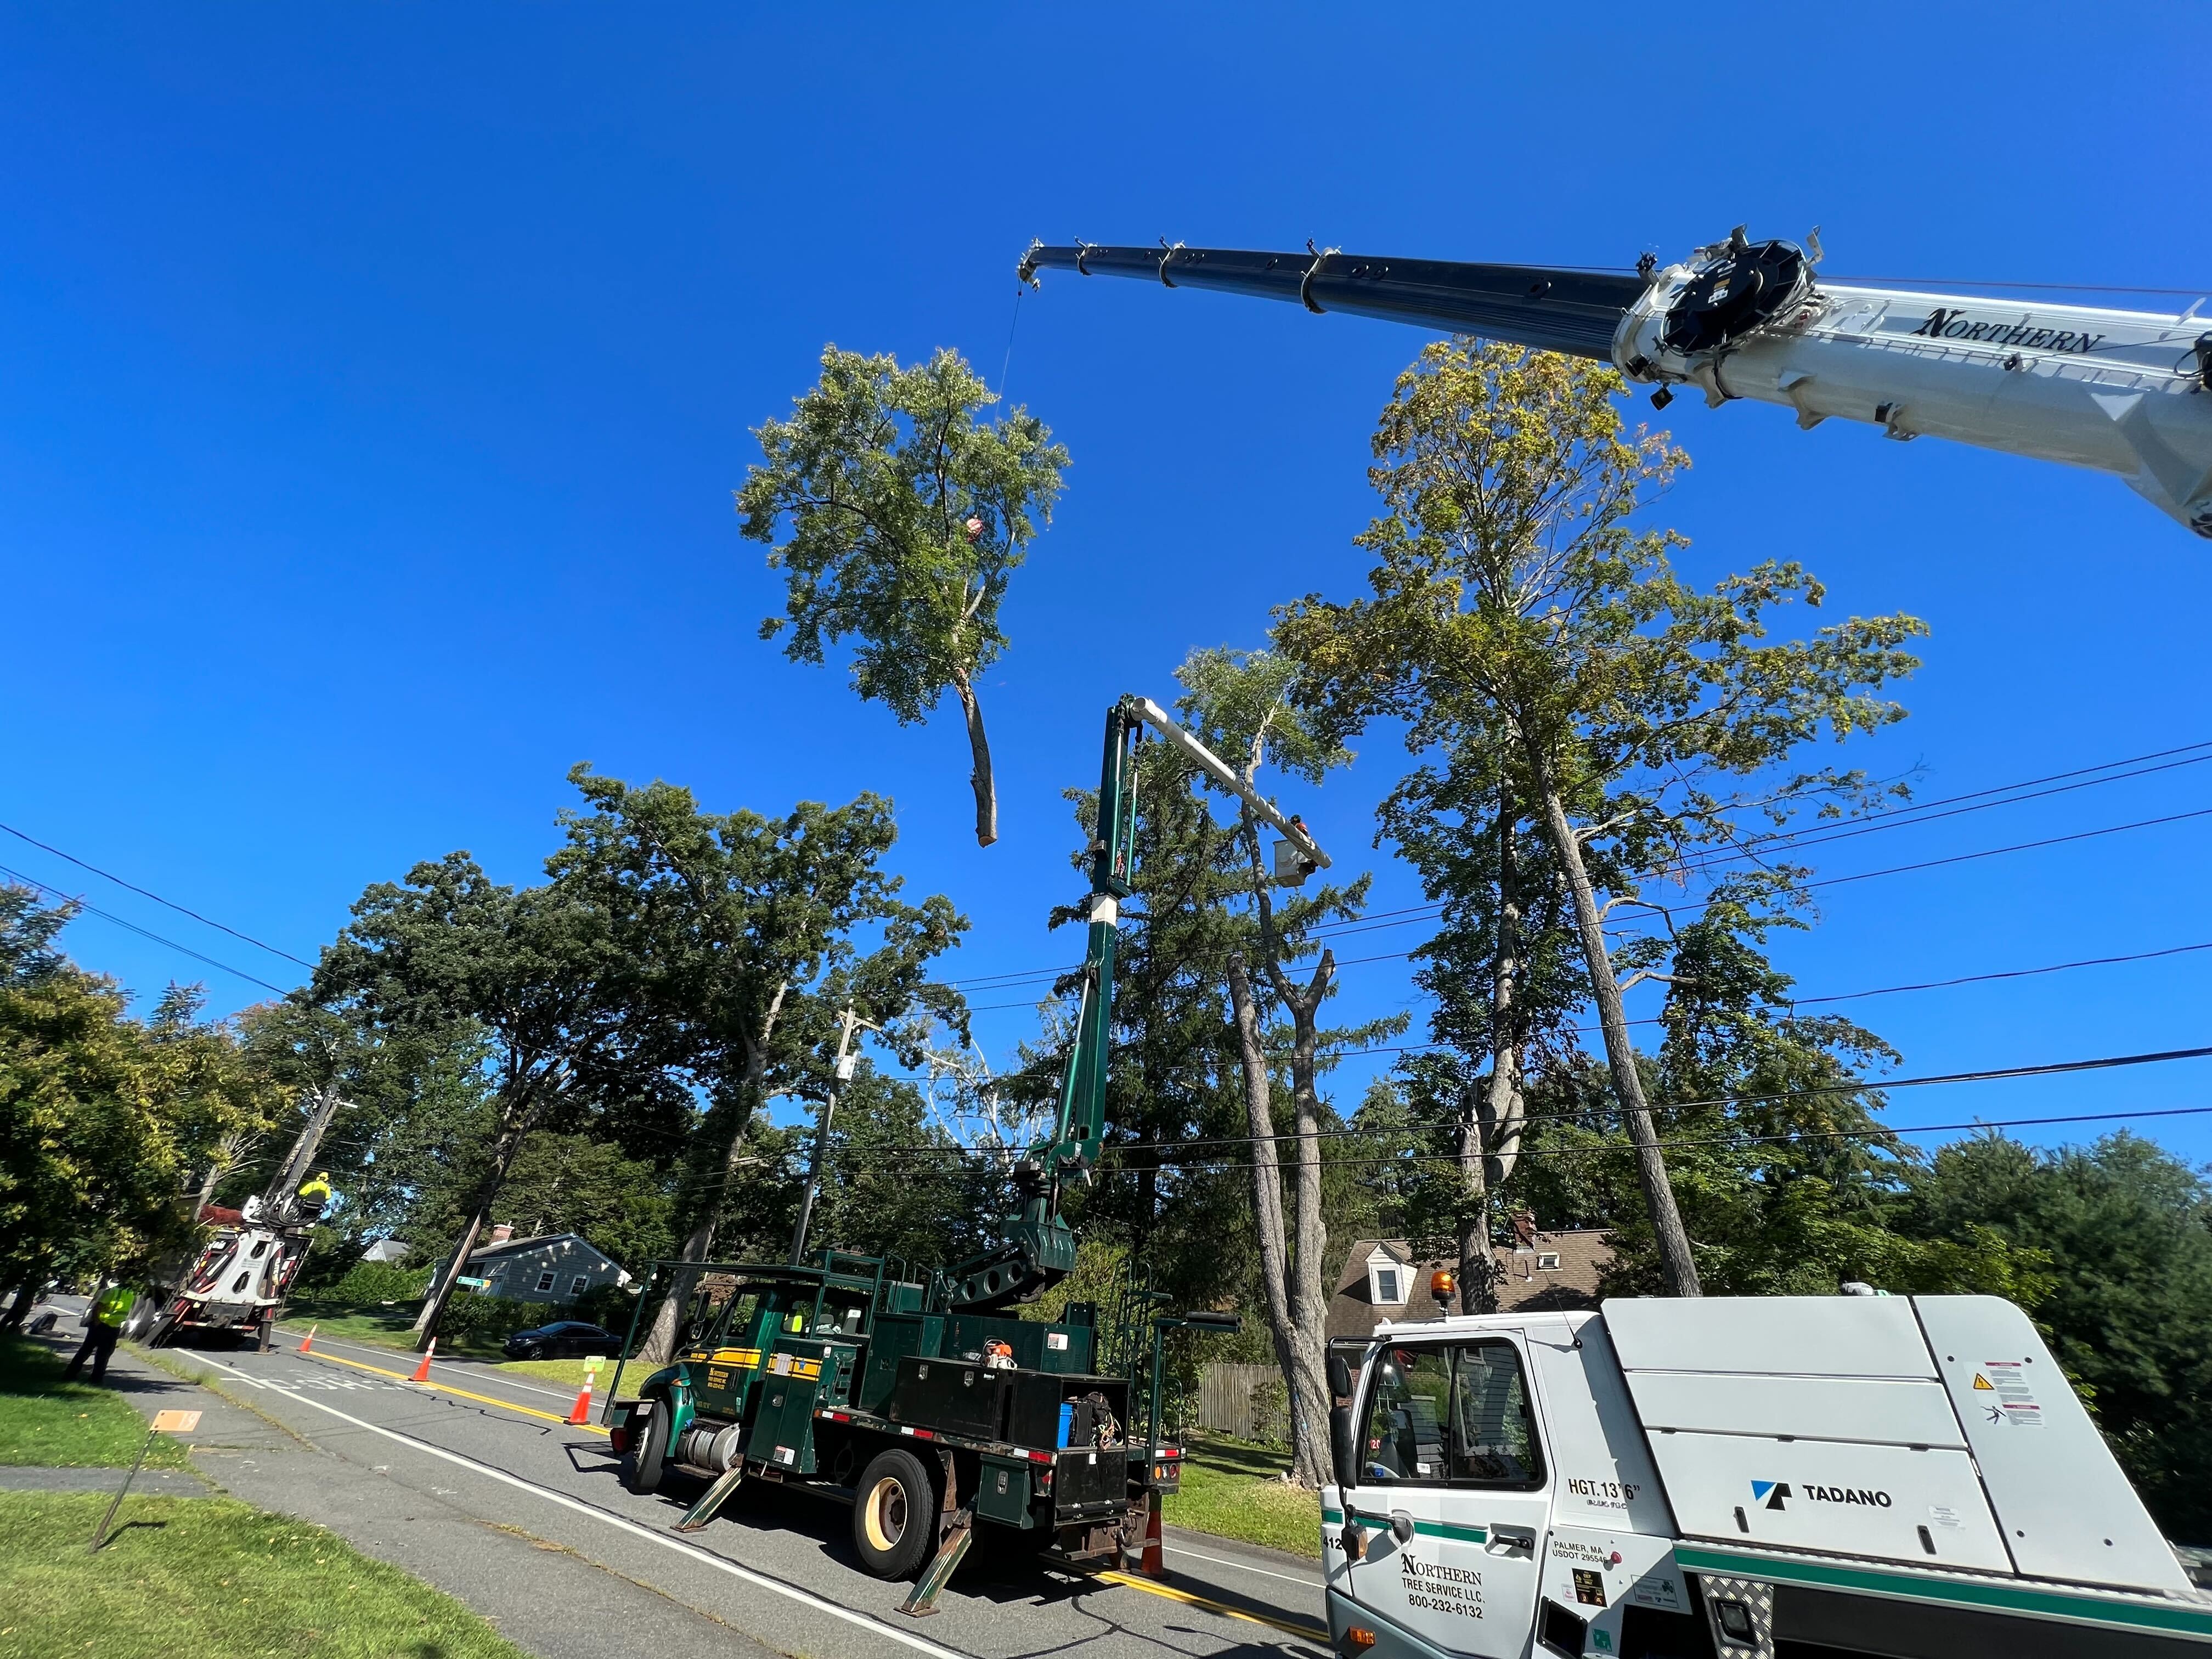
564	1339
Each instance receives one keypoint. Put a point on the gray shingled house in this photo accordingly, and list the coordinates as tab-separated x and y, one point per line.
550	1268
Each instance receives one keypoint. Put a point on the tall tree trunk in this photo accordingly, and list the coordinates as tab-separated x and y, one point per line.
1678	1268
1490	1121
1301	1343
1298	1341
986	793
514	1124
660	1345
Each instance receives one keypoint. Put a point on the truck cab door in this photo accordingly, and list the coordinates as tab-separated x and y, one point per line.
1454	1499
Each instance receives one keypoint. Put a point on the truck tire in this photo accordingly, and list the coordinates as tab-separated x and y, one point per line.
894	1514
641	1463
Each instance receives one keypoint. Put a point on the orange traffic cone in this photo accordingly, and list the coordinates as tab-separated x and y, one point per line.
581	1410
422	1370
308	1340
1154	1561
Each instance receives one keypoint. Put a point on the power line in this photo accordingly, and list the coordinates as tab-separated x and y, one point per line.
94	909
1901	817
1844	1086
1585	1030
1789	1138
144	892
2018	847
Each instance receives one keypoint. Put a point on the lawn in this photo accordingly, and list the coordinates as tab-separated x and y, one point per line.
207	1575
50	1423
569	1373
394	1329
1233	1490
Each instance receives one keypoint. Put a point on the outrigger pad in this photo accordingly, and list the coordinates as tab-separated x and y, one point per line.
959	1536
703	1511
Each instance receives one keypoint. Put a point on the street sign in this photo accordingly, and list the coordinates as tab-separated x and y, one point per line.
472	1283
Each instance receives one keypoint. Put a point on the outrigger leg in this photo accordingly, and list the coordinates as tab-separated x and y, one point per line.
703	1511
959	1532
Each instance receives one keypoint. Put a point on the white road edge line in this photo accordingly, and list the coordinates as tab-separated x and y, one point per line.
504	1382
1221	1561
706	1557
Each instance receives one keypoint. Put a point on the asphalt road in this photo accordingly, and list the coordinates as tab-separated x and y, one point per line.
477	1483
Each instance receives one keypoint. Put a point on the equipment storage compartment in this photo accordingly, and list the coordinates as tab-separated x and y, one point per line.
951	1396
1089	1482
1034	1417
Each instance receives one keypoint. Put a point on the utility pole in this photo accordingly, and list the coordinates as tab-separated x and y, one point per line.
847	1061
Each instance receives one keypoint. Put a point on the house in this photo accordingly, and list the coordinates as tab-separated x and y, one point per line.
1539	1271
550	1268
386	1249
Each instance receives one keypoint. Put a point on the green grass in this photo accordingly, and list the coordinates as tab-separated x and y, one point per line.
208	1577
393	1328
569	1373
46	1423
1233	1490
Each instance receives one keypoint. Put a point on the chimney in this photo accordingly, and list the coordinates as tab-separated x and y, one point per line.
501	1233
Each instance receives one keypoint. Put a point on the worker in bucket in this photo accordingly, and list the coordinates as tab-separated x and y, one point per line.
103	1324
313	1195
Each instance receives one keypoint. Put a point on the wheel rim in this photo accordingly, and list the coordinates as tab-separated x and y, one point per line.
884	1515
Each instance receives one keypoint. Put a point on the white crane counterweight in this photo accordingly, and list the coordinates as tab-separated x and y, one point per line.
2119	392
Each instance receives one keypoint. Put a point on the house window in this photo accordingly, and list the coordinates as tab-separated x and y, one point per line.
545	1281
1386	1286
1549	1261
582	1282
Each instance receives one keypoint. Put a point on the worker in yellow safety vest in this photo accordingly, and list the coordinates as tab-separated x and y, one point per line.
103	1324
314	1193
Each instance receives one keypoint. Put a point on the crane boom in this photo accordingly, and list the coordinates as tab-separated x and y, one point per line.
2118	391
1039	1246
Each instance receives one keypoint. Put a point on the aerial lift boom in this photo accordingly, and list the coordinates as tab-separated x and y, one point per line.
2119	392
1039	1248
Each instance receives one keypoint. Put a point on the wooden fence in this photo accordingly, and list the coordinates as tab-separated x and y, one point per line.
1224	1399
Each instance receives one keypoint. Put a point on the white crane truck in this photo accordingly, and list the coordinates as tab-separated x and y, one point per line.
2120	391
1783	1478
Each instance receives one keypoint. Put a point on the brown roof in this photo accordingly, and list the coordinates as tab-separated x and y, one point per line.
1521	1283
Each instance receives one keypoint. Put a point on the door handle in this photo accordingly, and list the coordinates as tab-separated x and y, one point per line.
1516	1541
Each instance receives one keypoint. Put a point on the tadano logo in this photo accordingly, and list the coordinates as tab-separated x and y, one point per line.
1776	1495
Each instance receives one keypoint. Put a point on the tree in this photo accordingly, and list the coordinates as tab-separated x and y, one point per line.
105	1121
1504	969
560	1004
902	519
1241	703
751	922
1517	609
2126	1300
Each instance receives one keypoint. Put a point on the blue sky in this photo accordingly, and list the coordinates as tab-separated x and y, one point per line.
374	380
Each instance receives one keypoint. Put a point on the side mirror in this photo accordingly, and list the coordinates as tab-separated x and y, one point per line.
1343	1429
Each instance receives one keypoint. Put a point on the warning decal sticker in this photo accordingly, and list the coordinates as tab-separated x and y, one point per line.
2015	1402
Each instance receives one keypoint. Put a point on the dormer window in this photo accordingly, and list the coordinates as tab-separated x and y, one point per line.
1549	1261
1386	1281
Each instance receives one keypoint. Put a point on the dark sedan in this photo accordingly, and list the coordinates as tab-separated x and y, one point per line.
564	1339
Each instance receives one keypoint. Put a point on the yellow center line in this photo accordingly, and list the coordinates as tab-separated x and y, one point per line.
446	1388
1309	1633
